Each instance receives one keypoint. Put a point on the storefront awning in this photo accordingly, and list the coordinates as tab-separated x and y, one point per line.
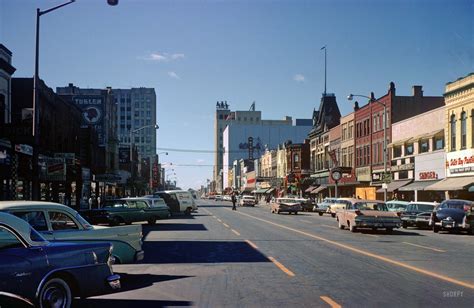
270	191
392	186
309	189
261	190
459	183
319	189
418	185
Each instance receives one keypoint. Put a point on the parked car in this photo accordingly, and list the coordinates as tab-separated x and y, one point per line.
339	204
323	207
453	214
218	197
226	198
306	204
289	205
247	200
397	206
422	220
127	211
179	201
371	214
51	274
14	301
413	210
57	222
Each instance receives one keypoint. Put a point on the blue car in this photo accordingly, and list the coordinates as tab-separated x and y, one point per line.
51	274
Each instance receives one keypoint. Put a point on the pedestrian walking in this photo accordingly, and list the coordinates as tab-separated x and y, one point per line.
234	200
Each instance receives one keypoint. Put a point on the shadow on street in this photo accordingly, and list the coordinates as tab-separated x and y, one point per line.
125	303
200	252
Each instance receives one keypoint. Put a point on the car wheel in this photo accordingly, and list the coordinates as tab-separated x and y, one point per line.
404	225
435	229
333	215
115	221
296	213
320	214
187	212
351	227
389	230
55	293
278	211
152	221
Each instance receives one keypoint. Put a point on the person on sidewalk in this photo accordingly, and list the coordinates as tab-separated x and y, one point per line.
234	200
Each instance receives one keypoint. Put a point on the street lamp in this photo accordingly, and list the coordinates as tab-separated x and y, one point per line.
372	99
36	107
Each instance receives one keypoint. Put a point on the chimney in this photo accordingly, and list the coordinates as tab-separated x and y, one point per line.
417	91
356	105
392	88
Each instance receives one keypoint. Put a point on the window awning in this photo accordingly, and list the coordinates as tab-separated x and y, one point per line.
392	186
309	189
319	189
459	183
418	185
261	190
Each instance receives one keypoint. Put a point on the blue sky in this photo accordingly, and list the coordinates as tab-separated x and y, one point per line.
195	53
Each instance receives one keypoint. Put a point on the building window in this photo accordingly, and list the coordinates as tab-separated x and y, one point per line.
409	149
397	151
423	145
403	174
453	132
463	130
438	143
351	156
351	128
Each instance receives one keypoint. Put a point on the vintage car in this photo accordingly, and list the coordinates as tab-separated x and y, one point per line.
15	301
51	274
57	222
371	214
453	214
413	210
289	205
247	200
323	207
397	206
127	211
338	204
422	220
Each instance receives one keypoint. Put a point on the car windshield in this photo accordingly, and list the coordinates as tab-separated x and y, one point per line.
288	200
374	206
420	207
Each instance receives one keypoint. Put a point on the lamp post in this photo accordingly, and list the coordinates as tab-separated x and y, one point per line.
36	106
371	99
131	147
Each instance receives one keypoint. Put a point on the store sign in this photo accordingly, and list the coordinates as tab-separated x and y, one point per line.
93	108
460	163
124	155
428	175
363	174
24	149
52	169
410	166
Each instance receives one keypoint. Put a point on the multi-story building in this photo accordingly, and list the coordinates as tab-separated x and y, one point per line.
297	165
369	138
100	112
225	116
347	157
250	140
459	135
6	72
136	108
418	155
327	117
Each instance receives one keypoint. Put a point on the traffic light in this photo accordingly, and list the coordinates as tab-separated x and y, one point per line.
112	2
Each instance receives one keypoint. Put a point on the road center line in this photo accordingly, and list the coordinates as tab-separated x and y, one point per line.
372	255
225	225
331	303
219	220
236	233
426	247
282	267
251	244
307	221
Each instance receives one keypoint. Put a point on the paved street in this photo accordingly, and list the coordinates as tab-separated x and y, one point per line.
251	257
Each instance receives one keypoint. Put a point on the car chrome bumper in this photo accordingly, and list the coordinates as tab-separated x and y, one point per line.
114	281
369	224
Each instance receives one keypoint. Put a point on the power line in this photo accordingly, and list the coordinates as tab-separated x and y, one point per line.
204	151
